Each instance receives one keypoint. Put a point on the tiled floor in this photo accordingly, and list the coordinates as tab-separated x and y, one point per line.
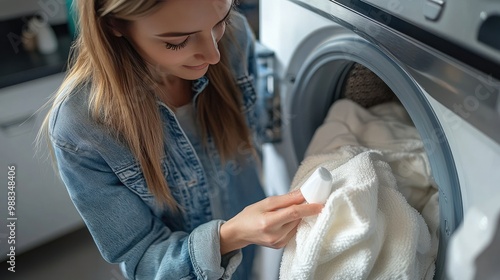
72	257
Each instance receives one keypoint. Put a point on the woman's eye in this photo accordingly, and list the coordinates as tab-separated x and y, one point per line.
176	47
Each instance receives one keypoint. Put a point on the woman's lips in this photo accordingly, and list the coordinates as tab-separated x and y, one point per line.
198	67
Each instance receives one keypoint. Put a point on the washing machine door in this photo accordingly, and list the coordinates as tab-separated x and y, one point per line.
315	77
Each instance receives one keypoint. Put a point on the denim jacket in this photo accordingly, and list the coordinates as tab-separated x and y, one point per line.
107	186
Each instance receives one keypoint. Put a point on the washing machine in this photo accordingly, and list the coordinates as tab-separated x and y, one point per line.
442	60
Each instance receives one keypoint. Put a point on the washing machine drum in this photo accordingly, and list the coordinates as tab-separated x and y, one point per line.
350	67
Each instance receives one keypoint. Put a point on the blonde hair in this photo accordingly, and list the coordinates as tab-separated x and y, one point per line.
122	99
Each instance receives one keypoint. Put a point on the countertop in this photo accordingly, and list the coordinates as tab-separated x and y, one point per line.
18	65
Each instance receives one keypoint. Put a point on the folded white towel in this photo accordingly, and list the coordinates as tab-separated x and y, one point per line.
367	230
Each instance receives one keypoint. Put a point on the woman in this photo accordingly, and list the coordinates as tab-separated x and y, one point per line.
153	132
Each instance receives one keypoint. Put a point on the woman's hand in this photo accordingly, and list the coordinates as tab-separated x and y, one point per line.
271	222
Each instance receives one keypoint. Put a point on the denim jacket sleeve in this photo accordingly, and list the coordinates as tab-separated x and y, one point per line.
126	232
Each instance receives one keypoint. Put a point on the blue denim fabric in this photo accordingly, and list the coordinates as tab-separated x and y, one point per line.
108	188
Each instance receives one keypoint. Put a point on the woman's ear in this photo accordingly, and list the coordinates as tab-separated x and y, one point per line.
116	32
116	26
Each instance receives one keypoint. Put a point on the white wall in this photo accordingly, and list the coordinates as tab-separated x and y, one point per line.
52	10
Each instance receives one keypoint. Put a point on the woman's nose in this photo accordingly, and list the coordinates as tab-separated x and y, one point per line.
209	50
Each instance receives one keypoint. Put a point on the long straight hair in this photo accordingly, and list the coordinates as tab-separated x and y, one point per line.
122	99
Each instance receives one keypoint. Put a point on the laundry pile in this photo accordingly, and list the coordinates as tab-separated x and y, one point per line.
381	219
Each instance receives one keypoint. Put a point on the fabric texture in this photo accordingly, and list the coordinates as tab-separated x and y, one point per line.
381	219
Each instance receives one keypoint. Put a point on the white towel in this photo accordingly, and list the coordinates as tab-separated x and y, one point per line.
368	229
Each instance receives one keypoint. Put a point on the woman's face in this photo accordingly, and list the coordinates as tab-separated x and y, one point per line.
180	38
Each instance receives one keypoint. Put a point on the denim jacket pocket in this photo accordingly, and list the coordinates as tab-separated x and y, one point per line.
132	177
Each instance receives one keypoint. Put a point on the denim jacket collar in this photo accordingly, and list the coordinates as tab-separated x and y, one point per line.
198	86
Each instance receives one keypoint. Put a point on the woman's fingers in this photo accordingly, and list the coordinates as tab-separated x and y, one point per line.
288	231
294	212
270	222
281	201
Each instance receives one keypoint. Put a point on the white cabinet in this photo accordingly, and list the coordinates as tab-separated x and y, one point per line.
43	208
